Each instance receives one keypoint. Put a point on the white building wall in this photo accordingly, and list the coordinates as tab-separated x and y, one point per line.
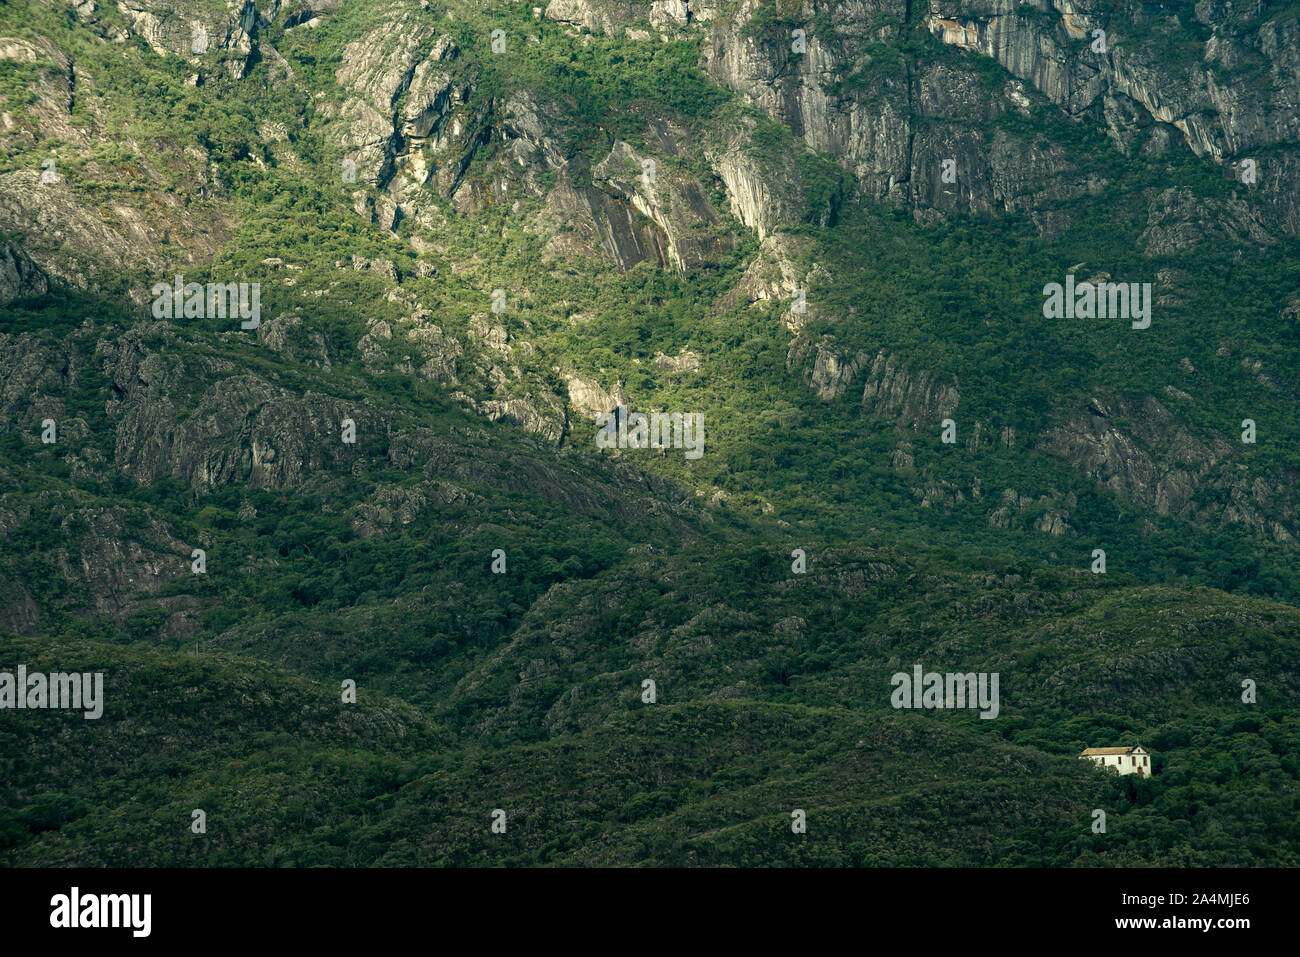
1124	763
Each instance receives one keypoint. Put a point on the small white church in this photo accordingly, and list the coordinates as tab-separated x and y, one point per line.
1134	760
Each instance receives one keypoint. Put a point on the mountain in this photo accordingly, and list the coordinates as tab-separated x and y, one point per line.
980	323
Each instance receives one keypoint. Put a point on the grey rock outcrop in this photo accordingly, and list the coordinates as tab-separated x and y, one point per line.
912	400
240	428
591	400
674	202
192	29
19	276
404	124
1156	462
1084	57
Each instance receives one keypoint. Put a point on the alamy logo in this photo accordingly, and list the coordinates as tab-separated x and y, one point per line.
216	300
1103	300
933	690
659	430
74	910
55	690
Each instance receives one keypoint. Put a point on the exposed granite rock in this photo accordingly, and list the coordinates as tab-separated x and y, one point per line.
765	185
831	374
911	400
1217	104
673	201
891	122
686	361
591	400
777	272
1179	220
19	276
598	16
240	428
405	124
192	29
1156	462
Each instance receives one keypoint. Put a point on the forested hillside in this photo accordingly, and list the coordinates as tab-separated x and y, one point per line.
824	231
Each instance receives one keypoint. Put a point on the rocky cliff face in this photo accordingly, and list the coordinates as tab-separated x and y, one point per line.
891	119
19	276
1156	461
200	31
766	188
894	118
675	203
405	124
240	428
77	241
910	127
1221	74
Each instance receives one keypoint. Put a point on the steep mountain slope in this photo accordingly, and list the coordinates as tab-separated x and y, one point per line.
473	228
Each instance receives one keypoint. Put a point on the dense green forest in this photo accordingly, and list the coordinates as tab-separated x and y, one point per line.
521	689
